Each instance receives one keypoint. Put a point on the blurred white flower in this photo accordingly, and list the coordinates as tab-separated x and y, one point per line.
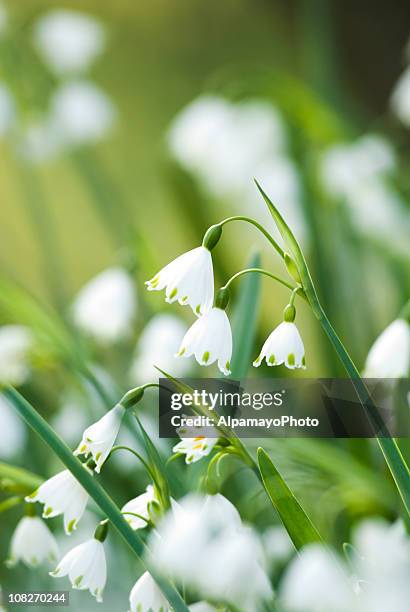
81	113
15	344
189	279
277	545
400	98
389	357
71	419
346	167
195	448
105	307
283	346
13	431
86	567
222	142
68	41
315	581
62	494
157	344
7	109
32	543
139	506
202	606
98	439
209	339
39	141
145	596
204	544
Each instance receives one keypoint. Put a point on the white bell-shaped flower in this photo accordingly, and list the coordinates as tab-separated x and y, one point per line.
15	344
195	448
139	506
32	543
145	596
400	98
99	438
62	494
389	357
209	339
202	606
189	279
68	41
86	567
283	345
13	430
105	307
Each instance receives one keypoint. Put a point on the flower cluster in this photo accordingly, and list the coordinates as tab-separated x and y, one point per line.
189	279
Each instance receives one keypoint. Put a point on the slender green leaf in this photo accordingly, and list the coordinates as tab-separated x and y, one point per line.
20	476
297	523
244	320
94	489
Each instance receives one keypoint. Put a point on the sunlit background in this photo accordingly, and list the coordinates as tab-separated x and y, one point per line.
127	129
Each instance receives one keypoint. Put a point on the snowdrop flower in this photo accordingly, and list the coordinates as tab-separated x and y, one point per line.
389	357
80	113
283	345
86	565
13	431
139	505
277	545
39	141
157	344
62	494
205	545
15	344
189	279
7	108
68	41
145	596
195	448
400	98
105	307
209	339
32	543
99	438
315	581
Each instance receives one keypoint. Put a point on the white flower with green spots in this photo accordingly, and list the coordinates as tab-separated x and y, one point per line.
209	339
189	279
145	596
136	511
283	346
389	357
86	567
99	438
195	448
62	494
32	543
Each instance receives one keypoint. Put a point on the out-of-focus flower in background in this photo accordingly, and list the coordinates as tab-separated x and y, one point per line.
202	606
105	308
68	41
81	113
16	342
400	98
277	545
32	543
157	344
13	431
204	544
375	580
389	356
224	144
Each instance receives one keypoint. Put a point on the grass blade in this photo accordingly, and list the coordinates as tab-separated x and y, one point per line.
299	526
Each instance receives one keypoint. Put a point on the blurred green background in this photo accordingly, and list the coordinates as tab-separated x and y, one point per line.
328	69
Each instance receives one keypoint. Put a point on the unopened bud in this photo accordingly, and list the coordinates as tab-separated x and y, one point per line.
212	236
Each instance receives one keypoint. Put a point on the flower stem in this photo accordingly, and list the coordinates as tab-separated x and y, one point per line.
261	271
93	488
260	228
388	445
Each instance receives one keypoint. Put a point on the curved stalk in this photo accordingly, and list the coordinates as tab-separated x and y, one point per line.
93	488
137	455
260	271
273	242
